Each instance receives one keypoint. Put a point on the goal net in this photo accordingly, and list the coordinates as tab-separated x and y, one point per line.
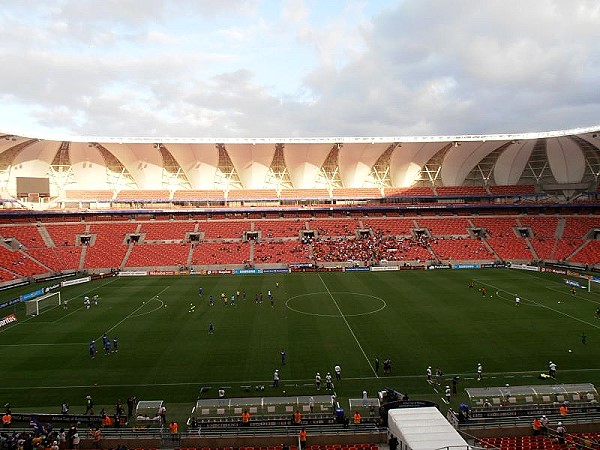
33	307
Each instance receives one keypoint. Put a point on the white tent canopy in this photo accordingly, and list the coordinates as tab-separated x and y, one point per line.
423	429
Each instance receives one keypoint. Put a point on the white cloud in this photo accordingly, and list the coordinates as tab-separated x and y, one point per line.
300	68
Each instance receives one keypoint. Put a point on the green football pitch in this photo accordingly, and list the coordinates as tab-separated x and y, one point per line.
414	318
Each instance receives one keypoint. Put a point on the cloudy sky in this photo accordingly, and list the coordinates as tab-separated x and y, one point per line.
298	68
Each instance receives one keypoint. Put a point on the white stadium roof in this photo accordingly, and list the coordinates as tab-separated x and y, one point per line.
567	159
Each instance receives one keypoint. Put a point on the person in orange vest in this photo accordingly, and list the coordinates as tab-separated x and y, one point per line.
106	421
357	418
537	426
245	418
174	427
303	438
297	417
563	410
6	420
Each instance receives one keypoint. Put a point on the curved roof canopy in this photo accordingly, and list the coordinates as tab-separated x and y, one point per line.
568	159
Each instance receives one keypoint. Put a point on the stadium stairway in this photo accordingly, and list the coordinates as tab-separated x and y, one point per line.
532	248
126	257
46	237
84	249
491	249
560	228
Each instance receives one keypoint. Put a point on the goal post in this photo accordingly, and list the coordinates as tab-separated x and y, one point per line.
593	284
34	306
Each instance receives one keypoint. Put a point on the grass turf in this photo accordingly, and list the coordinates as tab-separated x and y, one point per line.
415	318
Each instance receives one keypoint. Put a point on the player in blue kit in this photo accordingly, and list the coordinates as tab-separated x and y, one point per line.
92	349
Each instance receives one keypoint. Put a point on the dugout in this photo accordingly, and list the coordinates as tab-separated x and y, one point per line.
147	412
264	406
538	394
423	429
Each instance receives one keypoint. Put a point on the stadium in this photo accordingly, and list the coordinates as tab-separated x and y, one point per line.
410	250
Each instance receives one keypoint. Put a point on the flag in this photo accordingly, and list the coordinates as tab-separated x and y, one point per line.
36	424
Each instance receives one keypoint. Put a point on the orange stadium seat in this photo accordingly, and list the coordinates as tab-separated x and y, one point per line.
163	230
461	191
252	194
461	250
304	194
445	227
227	229
150	195
334	227
390	226
220	253
521	189
110	247
154	255
88	195
281	252
356	193
27	235
199	195
423	191
279	228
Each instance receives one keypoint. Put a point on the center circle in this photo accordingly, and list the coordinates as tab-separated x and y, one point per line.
333	299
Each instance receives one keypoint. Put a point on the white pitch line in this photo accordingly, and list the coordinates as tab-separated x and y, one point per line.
43	344
263	382
348	325
131	314
544	306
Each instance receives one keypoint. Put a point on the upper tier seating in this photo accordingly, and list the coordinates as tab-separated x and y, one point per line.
213	253
423	191
200	195
304	194
356	193
252	194
228	229
163	231
91	194
448	226
28	235
334	227
110	246
522	189
461	249
149	195
461	191
390	226
153	255
279	228
281	252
